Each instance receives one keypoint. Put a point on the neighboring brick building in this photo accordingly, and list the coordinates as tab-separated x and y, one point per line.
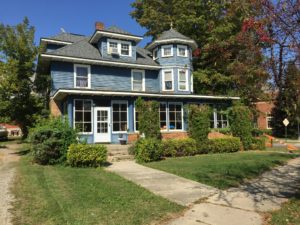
264	109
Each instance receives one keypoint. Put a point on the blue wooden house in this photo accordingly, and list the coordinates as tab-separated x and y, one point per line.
95	81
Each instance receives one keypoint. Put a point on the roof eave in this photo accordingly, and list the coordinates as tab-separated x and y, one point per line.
53	41
61	93
99	62
98	34
155	43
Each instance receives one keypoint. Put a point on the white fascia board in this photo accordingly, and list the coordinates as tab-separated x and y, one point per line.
100	62
51	41
110	34
173	40
135	94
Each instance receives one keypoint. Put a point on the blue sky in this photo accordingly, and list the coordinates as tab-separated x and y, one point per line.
75	16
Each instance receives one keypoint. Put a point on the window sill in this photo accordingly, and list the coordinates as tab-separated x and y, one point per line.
166	56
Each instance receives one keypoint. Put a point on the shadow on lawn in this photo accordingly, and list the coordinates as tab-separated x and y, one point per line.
273	187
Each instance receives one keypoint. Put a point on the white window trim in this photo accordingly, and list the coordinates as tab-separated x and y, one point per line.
163	79
155	50
163	50
112	118
267	117
89	75
186	80
92	116
192	83
134	118
119	46
185	52
143	79
168	121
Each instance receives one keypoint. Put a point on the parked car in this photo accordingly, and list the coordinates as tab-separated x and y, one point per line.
3	133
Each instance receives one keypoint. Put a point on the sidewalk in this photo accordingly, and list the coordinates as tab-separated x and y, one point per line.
176	189
235	206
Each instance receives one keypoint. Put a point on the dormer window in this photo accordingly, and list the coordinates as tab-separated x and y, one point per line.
82	76
122	48
182	51
167	50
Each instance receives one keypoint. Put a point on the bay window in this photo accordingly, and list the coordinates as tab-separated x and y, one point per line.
83	115
182	51
182	80
120	116
167	50
168	81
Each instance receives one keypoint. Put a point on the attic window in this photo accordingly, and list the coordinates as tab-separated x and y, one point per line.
167	50
122	48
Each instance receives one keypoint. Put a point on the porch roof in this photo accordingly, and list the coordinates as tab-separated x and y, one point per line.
62	93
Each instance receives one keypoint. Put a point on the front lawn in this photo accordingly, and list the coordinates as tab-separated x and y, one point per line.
222	170
289	213
55	195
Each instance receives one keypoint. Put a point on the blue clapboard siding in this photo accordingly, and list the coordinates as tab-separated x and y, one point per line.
102	78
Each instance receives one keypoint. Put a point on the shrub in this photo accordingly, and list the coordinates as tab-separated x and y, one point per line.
199	122
148	113
258	143
241	124
179	147
86	155
50	139
148	150
226	131
223	145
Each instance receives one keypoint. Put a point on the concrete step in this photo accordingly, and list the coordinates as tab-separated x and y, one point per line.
120	158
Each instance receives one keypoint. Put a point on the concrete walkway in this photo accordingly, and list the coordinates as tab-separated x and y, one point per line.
176	189
235	206
8	157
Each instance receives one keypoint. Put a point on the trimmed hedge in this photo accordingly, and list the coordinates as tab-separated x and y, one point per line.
220	145
258	143
179	147
148	150
50	139
81	155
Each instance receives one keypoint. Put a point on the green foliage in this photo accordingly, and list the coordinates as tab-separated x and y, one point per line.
148	116
240	118
148	150
223	145
287	104
19	53
258	143
179	147
50	139
226	131
199	122
230	60
86	155
256	132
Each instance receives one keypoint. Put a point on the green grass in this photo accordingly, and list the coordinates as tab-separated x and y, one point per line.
281	149
222	170
289	214
55	195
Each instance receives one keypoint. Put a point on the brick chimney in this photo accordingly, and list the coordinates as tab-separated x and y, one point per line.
99	26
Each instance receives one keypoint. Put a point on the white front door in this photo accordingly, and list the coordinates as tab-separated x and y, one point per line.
102	129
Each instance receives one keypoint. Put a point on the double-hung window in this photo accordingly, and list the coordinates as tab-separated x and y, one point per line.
83	115
182	80
120	116
269	120
168	81
175	116
182	51
124	49
82	76
167	50
138	80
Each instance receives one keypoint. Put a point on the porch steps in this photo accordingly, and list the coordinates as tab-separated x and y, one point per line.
118	152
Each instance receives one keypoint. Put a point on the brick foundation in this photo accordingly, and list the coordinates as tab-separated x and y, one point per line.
54	108
174	135
132	137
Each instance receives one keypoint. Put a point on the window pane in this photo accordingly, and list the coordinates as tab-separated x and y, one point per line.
168	76
124	107
87	117
167	51
116	116
169	85
123	116
182	76
124	49
119	117
123	126
113	45
82	71
87	105
79	127
116	127
181	51
87	127
78	116
115	107
78	104
137	87
138	76
81	82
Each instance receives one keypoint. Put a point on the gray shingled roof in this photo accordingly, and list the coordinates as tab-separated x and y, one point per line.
169	34
68	37
83	49
118	30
